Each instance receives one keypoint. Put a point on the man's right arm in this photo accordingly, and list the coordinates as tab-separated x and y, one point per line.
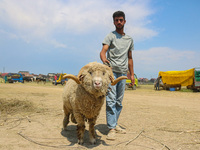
103	54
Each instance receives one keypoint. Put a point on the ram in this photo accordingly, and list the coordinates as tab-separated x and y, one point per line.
84	95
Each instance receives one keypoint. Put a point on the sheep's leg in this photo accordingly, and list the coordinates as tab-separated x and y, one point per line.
92	123
80	127
73	118
80	133
66	118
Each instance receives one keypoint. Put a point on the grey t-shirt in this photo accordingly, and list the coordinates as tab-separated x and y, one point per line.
117	54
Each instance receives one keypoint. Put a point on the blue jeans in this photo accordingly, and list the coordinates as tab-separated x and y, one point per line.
114	101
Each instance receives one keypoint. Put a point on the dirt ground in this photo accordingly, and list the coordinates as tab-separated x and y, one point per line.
156	120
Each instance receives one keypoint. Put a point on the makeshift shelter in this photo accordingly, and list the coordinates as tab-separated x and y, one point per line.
183	78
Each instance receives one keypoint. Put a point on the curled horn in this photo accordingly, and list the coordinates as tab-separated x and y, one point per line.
73	77
113	82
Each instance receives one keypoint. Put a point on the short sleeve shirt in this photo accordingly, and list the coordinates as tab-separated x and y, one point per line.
117	54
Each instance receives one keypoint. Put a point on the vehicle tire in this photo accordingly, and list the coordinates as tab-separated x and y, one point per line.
195	90
126	87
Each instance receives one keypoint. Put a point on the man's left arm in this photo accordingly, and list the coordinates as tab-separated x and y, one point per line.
130	66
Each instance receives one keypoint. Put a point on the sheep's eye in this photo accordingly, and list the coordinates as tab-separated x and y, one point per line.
90	72
103	73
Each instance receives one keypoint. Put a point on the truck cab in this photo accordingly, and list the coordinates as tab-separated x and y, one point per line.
196	86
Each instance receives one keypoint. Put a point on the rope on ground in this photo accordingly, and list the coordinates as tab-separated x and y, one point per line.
41	144
157	141
140	134
135	137
127	142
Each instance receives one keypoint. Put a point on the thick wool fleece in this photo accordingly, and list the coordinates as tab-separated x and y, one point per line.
83	101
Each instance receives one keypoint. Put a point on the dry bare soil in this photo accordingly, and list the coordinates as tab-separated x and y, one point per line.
31	119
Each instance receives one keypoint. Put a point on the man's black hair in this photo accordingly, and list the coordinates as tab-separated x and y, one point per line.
118	14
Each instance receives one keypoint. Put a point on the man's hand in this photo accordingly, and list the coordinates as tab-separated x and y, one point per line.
107	63
132	80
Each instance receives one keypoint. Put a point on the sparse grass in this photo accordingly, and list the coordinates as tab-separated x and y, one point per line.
151	88
42	84
39	94
186	90
16	106
145	86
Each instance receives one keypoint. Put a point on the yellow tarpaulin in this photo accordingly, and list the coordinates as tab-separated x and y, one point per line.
183	78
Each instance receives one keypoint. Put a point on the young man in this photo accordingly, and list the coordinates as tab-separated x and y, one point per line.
118	47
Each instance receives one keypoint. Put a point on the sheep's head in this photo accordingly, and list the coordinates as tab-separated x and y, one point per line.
95	77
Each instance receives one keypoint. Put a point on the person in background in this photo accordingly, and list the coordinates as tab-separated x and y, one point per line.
5	77
55	78
118	46
158	82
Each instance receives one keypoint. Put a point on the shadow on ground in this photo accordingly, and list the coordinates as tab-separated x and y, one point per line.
71	136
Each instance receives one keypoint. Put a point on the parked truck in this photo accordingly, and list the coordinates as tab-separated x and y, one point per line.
15	77
196	83
176	79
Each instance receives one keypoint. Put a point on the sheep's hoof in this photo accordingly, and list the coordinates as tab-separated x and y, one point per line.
64	128
93	141
80	141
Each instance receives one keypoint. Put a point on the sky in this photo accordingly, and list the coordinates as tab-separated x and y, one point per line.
43	36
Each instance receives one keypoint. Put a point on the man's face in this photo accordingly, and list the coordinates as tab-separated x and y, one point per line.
119	22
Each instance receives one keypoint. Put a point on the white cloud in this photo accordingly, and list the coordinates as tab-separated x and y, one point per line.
8	34
41	19
141	33
151	61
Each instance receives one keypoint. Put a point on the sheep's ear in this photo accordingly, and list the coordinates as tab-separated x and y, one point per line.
83	71
110	73
80	77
